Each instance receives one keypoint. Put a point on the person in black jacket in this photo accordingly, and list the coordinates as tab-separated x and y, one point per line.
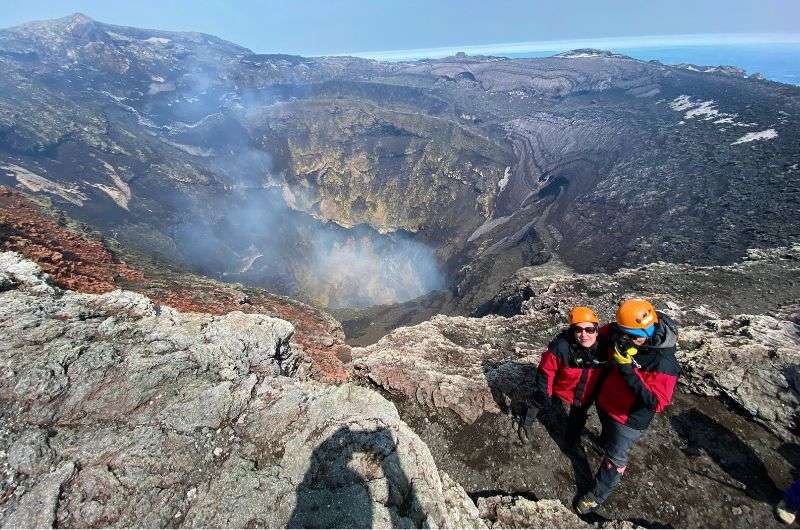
638	385
570	370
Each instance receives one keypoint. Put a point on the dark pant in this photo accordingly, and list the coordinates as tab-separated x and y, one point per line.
792	496
575	424
618	440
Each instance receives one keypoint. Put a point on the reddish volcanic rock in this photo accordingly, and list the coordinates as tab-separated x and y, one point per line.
77	263
74	262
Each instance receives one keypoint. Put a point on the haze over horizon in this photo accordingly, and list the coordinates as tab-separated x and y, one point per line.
317	27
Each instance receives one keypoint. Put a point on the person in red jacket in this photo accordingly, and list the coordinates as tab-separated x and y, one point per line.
639	384
570	370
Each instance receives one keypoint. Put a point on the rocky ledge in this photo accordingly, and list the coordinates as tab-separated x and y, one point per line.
731	433
76	259
120	412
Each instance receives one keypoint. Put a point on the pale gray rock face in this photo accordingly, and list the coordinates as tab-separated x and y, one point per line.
445	363
517	512
121	413
753	360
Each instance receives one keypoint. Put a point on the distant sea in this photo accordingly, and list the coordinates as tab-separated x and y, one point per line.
775	56
777	62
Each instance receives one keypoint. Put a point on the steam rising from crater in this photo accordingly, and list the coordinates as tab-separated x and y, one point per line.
250	235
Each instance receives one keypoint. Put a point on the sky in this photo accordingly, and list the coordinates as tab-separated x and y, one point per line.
319	27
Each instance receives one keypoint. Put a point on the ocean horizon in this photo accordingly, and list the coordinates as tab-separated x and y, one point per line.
775	56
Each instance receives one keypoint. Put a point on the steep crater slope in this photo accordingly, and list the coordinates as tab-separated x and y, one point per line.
308	176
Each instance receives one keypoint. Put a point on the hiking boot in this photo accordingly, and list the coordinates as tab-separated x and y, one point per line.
586	505
784	513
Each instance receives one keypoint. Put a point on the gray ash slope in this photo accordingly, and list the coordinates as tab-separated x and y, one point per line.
494	164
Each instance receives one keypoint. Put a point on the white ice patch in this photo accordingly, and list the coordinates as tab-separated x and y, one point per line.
250	259
681	103
112	96
157	40
118	36
705	110
580	55
38	184
769	134
504	181
190	149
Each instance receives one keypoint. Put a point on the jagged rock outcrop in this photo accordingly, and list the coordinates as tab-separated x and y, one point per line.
453	376
120	412
454	363
447	362
752	360
518	512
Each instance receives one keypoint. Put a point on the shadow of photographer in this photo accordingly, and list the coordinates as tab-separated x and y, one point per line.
356	480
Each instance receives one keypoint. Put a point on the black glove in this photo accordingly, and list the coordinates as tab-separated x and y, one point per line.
624	350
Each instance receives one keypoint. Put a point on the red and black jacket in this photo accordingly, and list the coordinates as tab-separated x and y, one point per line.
569	371
631	394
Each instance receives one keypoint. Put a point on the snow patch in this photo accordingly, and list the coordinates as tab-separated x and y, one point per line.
39	184
705	110
112	192
119	36
120	193
504	181
580	55
157	40
769	134
118	99
248	261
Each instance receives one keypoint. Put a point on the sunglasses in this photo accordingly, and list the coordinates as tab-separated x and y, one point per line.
589	331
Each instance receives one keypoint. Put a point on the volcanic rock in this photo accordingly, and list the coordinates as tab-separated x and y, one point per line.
455	380
119	412
87	265
518	512
752	360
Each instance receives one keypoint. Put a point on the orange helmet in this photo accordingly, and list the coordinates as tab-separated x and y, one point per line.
582	314
636	313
